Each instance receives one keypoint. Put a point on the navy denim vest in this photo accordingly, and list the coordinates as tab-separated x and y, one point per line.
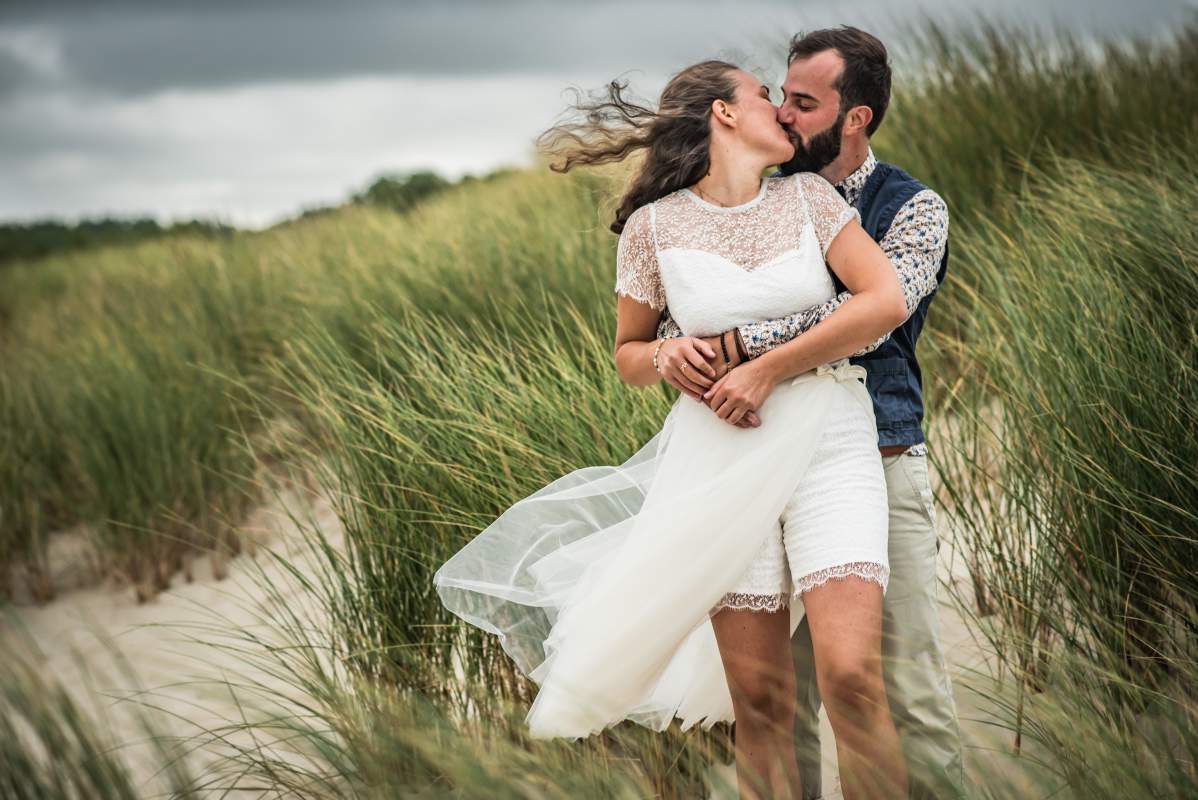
894	381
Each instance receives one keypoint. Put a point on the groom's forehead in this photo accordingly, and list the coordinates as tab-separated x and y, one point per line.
815	74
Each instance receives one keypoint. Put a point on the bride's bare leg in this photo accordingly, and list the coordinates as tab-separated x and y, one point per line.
755	649
845	619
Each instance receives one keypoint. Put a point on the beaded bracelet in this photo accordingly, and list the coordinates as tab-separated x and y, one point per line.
740	350
655	349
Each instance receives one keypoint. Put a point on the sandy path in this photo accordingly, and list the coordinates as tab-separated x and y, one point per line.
177	671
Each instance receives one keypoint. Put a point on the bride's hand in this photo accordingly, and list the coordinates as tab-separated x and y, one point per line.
704	366
737	395
686	362
750	419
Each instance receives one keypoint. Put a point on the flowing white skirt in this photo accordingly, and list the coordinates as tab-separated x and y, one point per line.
600	584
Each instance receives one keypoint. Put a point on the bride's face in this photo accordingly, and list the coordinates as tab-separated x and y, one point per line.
758	127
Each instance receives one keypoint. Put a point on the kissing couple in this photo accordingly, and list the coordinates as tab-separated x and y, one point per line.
772	547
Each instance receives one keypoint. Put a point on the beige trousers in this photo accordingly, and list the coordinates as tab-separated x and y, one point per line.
917	683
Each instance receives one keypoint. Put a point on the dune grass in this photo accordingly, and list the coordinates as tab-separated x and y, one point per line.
123	394
442	363
1071	473
988	107
114	412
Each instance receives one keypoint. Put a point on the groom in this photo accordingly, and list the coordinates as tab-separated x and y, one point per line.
836	90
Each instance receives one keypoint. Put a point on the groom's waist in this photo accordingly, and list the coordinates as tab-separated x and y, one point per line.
894	384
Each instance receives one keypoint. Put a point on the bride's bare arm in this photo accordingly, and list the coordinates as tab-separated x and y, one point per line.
636	323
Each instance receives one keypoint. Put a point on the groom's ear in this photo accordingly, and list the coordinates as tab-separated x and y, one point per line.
858	119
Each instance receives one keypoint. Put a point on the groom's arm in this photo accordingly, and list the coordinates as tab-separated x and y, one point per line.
914	244
667	328
771	333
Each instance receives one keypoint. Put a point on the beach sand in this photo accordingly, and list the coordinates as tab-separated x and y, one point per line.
176	670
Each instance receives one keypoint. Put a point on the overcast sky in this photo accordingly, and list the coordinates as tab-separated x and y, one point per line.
249	112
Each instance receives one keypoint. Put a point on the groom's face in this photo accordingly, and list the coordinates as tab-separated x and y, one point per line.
811	113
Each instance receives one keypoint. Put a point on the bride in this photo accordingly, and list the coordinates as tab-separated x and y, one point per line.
668	586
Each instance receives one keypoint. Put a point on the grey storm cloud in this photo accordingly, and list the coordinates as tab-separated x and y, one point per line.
251	109
14	73
129	48
133	48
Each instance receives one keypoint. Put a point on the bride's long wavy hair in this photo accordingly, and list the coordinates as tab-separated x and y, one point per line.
676	136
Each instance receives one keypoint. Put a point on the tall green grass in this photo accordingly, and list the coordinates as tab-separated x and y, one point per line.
1072	469
113	409
985	108
443	363
127	378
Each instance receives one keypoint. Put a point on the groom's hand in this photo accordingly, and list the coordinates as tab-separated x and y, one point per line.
717	360
750	418
740	392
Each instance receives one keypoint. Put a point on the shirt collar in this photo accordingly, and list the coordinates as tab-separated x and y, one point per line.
854	182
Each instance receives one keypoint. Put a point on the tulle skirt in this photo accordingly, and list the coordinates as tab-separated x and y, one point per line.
600	585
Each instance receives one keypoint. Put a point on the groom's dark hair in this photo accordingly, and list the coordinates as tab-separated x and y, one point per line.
865	80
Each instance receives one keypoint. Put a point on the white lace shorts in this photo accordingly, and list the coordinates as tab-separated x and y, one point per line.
834	525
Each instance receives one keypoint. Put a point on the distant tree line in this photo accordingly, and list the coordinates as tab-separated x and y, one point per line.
404	191
24	241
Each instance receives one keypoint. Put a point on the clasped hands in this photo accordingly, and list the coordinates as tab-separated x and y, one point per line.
695	366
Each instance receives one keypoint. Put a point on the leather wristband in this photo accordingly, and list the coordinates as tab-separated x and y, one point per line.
740	348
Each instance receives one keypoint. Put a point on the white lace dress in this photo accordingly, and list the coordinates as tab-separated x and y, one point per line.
601	585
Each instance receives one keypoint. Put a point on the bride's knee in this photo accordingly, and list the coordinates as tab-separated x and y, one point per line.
763	702
853	687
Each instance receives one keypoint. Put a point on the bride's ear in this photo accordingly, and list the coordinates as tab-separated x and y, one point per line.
721	112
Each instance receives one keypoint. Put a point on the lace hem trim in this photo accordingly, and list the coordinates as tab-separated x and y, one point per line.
753	602
869	570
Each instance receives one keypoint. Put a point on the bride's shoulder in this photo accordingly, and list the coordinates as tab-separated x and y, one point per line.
777	183
816	190
798	182
812	180
638	222
792	188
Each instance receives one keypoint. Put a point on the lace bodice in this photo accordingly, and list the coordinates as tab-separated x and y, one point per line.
719	267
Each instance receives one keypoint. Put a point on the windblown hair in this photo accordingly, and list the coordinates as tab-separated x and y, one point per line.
676	136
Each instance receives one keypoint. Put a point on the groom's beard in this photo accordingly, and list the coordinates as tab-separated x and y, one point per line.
822	151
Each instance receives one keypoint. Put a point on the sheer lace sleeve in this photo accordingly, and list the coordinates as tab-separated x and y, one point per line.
829	211
637	273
